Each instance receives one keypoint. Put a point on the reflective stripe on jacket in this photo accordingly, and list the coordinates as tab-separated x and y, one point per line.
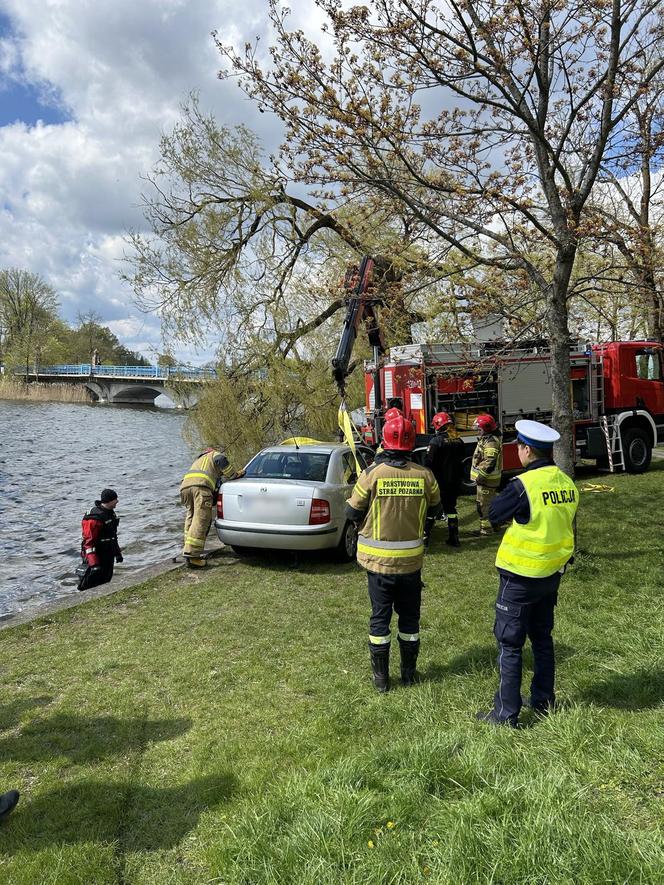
487	465
205	472
545	543
395	501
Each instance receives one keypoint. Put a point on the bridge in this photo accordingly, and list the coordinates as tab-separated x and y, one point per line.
124	384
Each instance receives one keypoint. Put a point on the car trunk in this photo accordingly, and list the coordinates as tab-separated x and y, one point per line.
268	501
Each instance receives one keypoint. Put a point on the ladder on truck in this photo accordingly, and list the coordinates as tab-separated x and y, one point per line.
613	442
596	379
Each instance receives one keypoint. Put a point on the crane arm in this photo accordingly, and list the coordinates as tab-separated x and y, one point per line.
359	308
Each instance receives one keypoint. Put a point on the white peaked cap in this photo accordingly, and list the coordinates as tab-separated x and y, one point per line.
536	434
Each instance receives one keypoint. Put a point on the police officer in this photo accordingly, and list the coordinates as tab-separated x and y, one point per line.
487	466
444	457
395	501
197	493
531	559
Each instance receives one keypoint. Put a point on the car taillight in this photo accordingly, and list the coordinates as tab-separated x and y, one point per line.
220	506
320	511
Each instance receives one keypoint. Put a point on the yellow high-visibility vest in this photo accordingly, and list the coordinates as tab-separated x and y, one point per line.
545	543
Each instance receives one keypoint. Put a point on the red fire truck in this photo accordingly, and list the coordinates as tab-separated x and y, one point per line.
617	390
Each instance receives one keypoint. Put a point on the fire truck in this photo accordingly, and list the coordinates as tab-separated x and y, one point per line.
616	388
617	391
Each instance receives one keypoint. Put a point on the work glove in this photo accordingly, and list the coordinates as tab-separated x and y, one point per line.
119	557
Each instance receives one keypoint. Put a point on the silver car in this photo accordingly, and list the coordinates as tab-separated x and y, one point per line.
292	498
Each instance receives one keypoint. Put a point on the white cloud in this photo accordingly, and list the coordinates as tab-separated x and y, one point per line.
121	70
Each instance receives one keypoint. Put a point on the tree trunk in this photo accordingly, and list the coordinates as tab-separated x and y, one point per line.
654	304
558	326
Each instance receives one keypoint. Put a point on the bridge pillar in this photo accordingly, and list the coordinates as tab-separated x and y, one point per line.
99	389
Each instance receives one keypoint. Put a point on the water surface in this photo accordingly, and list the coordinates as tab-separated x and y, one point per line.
55	458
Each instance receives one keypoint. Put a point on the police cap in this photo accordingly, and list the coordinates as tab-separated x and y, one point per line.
535	434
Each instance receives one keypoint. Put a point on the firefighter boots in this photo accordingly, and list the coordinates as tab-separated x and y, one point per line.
453	533
409	652
485	527
380	666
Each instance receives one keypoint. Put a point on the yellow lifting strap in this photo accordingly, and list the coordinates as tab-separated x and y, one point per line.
596	487
300	441
347	427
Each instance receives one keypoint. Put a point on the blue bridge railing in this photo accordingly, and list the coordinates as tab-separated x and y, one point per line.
157	373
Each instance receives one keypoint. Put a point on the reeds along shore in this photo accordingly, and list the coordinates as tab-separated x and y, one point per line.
52	393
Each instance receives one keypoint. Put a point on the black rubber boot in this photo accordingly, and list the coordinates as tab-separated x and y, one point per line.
380	666
8	802
409	652
453	534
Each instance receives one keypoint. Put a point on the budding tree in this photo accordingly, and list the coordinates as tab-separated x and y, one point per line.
487	123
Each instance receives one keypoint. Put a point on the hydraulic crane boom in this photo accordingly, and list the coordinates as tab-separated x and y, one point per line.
361	307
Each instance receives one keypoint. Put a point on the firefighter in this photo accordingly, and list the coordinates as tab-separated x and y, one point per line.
531	559
198	494
444	457
99	544
395	501
486	468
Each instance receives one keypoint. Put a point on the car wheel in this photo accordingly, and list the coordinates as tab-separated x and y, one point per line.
347	546
242	551
637	450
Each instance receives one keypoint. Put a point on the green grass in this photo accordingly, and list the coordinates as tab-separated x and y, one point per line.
221	728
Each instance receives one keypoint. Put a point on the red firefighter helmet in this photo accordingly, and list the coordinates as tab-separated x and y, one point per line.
399	434
393	413
485	423
440	419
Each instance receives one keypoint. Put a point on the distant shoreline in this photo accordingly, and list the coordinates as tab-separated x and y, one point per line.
19	391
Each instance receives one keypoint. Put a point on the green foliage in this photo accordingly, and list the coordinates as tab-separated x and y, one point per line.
222	728
32	334
244	411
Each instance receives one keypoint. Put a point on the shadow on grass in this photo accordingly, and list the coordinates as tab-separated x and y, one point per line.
482	659
307	562
640	690
10	713
135	817
83	739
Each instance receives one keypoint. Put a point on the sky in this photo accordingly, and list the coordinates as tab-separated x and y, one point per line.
86	89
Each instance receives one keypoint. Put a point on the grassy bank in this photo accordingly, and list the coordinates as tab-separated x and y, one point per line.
12	389
221	728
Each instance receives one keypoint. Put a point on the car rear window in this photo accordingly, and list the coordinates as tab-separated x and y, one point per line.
289	465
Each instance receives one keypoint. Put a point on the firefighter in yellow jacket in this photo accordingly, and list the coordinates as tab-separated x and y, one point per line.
197	493
541	504
487	467
395	501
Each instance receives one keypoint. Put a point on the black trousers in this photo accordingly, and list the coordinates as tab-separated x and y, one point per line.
448	502
103	576
399	593
525	609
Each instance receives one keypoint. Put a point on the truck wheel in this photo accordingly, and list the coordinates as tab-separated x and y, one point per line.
468	486
347	546
637	450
